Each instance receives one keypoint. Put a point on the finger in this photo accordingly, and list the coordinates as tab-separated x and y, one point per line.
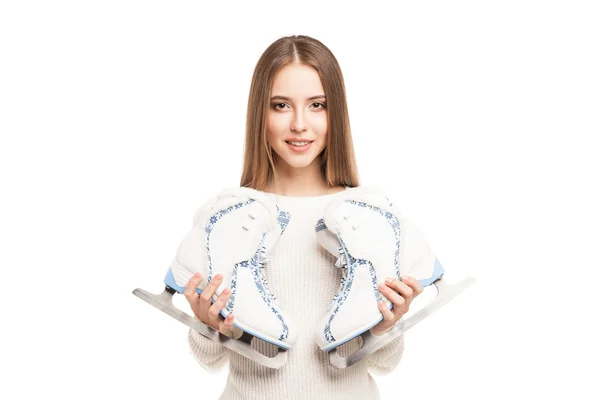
226	325
414	284
216	308
210	290
400	287
388	315
190	289
400	304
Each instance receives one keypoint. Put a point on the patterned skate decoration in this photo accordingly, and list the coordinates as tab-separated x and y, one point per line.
373	241
233	237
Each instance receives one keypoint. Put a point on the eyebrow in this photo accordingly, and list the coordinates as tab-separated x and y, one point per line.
321	96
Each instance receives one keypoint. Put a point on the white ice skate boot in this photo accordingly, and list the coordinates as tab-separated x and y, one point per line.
233	238
372	241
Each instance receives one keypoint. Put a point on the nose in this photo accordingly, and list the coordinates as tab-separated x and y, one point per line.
298	122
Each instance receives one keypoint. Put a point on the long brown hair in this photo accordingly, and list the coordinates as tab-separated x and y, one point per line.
338	162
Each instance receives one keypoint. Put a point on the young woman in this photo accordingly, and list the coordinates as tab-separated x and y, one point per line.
299	149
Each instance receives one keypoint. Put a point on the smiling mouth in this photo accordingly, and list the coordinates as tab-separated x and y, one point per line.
302	143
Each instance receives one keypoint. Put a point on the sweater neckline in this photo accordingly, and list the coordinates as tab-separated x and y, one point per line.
300	198
293	202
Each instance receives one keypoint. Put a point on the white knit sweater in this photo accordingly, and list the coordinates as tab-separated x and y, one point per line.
303	276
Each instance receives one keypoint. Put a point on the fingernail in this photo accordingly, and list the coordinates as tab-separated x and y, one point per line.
197	275
382	286
405	278
226	291
230	317
388	280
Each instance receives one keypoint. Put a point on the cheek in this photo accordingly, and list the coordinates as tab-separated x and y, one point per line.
275	124
272	132
320	127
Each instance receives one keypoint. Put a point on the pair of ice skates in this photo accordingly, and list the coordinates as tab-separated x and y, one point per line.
361	227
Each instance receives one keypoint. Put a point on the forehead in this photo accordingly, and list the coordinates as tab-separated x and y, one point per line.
297	80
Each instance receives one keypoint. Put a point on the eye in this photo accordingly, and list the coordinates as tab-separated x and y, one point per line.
318	105
278	106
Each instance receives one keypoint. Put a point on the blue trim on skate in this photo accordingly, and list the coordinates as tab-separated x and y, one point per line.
320	225
349	339
170	282
259	336
284	219
438	271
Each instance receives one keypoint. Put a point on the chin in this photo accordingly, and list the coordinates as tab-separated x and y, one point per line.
299	161
300	164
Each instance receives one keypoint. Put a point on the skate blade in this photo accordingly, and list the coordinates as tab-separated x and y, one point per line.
241	346
371	343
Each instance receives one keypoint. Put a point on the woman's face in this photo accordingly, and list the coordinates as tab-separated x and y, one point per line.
297	117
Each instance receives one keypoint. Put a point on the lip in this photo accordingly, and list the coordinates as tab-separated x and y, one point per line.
300	149
298	140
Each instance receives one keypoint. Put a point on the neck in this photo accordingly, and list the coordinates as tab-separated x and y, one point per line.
301	182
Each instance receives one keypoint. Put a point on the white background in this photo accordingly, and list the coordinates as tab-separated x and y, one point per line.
119	118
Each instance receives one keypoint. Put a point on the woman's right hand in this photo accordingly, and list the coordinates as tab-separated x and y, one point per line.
209	314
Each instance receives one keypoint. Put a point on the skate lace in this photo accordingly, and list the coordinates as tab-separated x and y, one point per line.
263	260
342	262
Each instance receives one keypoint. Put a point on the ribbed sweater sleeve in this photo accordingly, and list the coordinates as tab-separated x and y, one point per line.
210	355
386	359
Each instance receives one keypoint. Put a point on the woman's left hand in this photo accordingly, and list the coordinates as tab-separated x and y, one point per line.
401	294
